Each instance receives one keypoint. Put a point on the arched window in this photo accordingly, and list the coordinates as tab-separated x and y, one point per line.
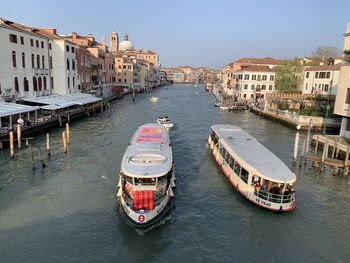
33	59
43	61
37	61
44	82
68	83
25	84
73	64
73	82
39	83
35	84
16	85
23	60
50	63
67	64
14	59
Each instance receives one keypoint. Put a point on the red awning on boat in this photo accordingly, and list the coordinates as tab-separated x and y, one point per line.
143	200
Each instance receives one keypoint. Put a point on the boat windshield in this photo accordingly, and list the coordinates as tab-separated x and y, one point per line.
145	181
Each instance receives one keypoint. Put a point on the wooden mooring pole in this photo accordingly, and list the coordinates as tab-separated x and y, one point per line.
345	170
316	146
296	144
64	140
68	133
19	135
12	150
308	135
48	144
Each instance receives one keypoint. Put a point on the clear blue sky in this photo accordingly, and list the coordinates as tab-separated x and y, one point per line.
196	33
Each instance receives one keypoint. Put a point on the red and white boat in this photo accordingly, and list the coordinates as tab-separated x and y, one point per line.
252	169
147	177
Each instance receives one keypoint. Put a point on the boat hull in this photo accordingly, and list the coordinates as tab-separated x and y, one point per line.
167	208
248	194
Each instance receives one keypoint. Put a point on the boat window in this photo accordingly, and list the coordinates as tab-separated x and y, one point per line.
227	157
237	168
221	150
231	162
128	179
214	137
244	175
145	181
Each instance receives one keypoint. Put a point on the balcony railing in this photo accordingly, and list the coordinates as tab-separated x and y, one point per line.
40	71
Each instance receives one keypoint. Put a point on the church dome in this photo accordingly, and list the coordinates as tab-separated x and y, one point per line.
126	44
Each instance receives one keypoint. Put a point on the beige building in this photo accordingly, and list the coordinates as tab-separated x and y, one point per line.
229	80
321	79
135	68
342	102
26	61
254	82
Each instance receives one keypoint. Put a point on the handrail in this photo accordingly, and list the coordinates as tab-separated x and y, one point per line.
275	198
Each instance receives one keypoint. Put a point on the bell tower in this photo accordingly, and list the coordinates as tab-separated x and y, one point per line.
114	42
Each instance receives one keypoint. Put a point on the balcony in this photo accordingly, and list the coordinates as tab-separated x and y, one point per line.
40	71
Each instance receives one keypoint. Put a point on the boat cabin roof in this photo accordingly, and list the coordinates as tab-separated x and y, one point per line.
149	153
256	155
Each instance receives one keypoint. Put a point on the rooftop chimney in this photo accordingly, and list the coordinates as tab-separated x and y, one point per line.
52	31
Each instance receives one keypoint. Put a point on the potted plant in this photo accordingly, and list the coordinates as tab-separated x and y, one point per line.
347	55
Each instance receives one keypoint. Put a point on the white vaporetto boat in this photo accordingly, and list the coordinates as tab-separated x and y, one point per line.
147	176
165	121
252	169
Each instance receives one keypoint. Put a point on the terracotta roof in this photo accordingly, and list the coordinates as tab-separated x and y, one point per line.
22	28
266	60
257	68
324	67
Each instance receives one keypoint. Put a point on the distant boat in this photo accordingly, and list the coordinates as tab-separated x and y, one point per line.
224	107
165	121
154	99
218	104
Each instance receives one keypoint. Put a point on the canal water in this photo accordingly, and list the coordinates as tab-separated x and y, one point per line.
67	211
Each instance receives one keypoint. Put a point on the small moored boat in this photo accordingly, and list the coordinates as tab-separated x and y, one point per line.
165	121
147	177
252	169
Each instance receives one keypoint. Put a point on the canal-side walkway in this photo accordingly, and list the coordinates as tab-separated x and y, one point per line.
293	119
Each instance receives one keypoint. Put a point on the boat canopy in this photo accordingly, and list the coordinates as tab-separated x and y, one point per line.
55	102
151	133
254	154
149	153
8	109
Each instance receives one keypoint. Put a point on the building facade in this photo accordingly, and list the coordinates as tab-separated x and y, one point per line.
321	79
25	58
342	102
253	82
65	77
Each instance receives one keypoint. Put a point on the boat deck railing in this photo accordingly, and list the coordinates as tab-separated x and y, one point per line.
275	198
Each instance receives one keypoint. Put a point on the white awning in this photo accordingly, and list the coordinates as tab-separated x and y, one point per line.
55	102
8	109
